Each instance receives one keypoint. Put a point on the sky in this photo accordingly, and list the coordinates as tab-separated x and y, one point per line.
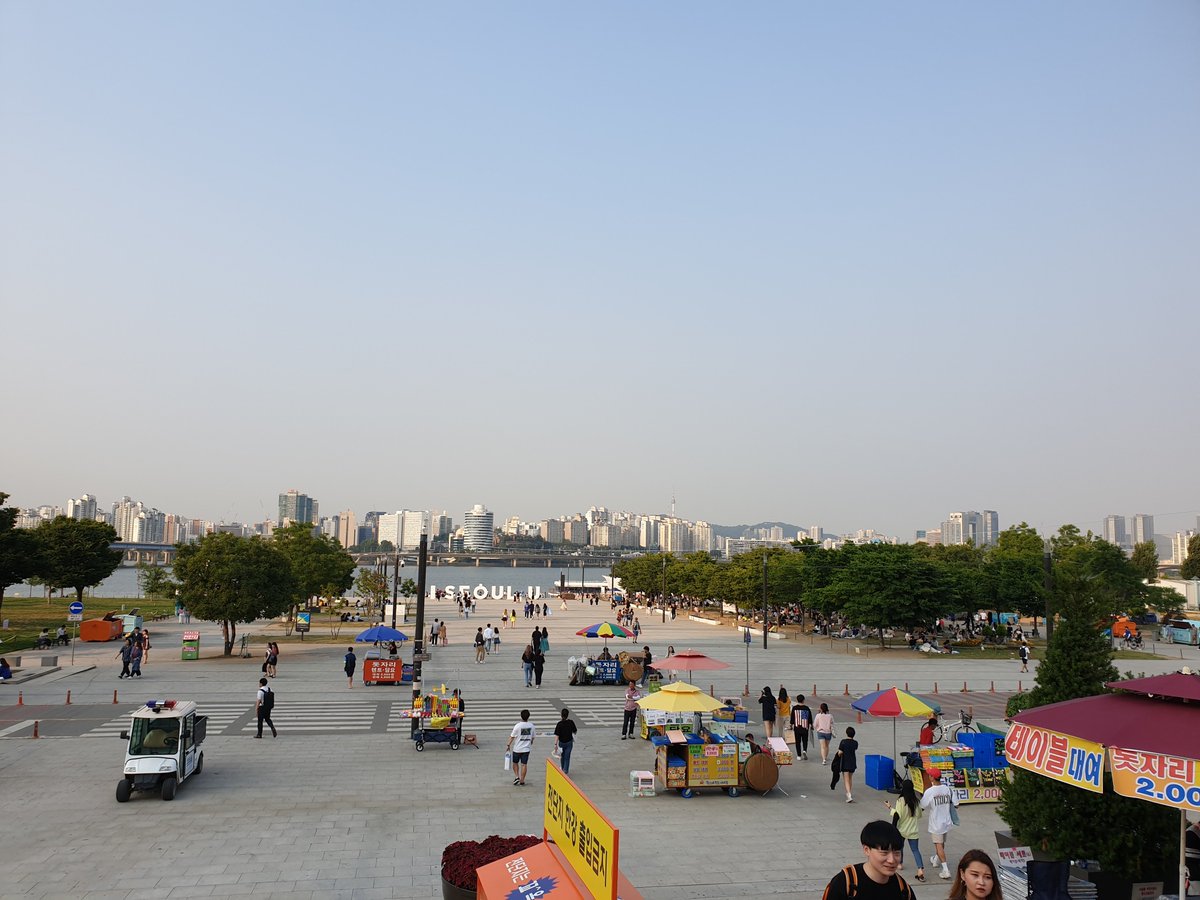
855	265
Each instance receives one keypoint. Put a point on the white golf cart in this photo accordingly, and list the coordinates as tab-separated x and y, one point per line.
166	746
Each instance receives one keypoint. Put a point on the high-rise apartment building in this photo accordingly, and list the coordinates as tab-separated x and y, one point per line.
478	528
575	531
991	528
1143	528
1179	546
297	507
84	508
347	528
552	531
1114	531
980	529
703	539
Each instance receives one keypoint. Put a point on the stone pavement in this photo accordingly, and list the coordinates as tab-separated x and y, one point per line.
341	806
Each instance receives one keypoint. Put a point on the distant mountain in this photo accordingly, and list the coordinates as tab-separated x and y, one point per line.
737	531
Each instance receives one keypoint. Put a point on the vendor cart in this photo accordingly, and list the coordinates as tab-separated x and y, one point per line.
438	721
687	763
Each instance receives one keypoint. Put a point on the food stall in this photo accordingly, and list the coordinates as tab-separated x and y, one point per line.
974	767
439	721
604	668
382	663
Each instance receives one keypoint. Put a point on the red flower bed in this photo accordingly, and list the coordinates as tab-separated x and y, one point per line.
462	858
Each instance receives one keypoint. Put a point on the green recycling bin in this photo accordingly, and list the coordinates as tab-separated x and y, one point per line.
191	645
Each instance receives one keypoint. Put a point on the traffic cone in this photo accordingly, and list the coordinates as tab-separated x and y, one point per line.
68	698
860	718
114	697
846	691
935	687
35	730
964	690
20	698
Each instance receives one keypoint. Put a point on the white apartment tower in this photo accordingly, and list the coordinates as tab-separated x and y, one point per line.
1143	528
1114	531
84	508
478	528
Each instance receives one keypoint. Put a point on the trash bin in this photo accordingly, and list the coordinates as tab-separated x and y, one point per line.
879	772
191	645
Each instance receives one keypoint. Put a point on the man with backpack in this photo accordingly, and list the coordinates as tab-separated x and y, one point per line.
263	705
878	877
802	719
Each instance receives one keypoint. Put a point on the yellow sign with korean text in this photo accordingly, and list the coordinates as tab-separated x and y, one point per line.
586	838
1062	757
1169	780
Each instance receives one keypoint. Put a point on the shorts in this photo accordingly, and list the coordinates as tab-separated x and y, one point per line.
824	735
522	758
938	838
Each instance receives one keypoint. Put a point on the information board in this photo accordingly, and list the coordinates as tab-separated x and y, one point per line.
608	671
588	841
712	765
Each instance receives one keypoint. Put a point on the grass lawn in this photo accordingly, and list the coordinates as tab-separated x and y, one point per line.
27	616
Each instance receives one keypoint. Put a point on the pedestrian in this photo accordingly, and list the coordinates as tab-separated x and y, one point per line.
504	618
135	660
442	635
878	877
520	742
564	739
823	726
545	609
489	638
264	702
544	644
433	633
939	801
976	878
145	646
123	653
536	638
266	663
766	701
906	816
802	719
647	658
632	695
847	762
480	646
539	664
925	738
1023	652
351	660
527	664
783	706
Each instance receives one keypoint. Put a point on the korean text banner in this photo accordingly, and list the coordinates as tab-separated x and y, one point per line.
1169	780
1062	757
586	838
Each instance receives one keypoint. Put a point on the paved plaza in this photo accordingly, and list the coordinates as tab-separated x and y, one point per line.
341	805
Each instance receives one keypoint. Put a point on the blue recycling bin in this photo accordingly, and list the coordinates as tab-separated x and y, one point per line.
879	772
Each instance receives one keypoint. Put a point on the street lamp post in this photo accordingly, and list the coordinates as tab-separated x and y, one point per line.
395	585
764	599
664	590
1048	584
419	637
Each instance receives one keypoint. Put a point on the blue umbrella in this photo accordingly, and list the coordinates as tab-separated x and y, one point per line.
377	633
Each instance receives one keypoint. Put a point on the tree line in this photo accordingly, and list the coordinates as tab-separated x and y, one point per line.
910	585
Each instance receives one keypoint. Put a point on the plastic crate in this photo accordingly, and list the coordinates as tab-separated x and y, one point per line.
641	784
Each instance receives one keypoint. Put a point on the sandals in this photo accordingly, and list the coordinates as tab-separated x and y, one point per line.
921	876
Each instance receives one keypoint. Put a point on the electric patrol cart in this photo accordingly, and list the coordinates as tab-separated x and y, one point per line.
165	746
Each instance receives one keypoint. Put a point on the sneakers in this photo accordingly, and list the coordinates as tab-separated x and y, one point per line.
944	874
804	755
933	860
849	799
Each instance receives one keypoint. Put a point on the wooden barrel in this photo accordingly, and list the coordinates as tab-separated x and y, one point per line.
632	670
761	773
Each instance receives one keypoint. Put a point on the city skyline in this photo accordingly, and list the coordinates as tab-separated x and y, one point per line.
431	256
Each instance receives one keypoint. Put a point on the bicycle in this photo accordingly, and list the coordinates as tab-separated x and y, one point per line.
962	726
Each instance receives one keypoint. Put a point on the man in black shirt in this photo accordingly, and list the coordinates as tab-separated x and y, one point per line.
878	877
564	739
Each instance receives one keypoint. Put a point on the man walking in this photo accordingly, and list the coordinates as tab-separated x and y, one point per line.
480	646
564	739
939	801
802	718
489	638
263	704
135	659
520	742
647	658
124	653
632	695
1024	654
350	662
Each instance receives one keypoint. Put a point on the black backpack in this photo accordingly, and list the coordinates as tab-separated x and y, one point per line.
268	700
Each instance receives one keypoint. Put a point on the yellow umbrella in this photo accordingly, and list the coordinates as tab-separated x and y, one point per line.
679	696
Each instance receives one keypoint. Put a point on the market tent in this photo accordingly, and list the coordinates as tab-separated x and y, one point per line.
1156	761
679	696
378	633
690	661
892	703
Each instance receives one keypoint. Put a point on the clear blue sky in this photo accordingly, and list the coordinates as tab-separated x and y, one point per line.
848	264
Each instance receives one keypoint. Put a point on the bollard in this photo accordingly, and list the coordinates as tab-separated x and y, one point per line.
964	690
860	718
846	691
877	685
1020	687
906	686
814	693
114	697
935	687
993	688
20	698
35	730
68	698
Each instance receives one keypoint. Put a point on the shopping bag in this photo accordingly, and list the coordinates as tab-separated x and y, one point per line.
507	761
954	815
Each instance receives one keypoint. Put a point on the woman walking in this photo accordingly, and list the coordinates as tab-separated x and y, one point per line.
539	663
906	816
783	706
847	757
544	643
769	710
527	664
272	658
823	726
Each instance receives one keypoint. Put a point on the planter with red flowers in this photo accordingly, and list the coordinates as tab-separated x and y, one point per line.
462	858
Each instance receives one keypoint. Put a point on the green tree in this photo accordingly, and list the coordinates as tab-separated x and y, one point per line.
1066	821
1191	565
155	582
1145	560
1016	572
76	553
643	574
372	586
890	586
18	550
320	565
232	579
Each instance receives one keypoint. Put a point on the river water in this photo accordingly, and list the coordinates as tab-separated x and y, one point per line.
123	582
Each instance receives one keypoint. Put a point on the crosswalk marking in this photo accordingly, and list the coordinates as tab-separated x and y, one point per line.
490	714
319	715
599	711
220	716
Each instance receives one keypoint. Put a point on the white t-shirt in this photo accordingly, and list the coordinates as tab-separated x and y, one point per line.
937	800
488	634
523	734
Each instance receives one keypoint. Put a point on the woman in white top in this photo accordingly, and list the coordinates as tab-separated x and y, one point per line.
823	726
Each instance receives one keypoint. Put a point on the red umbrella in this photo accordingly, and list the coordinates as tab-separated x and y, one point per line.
690	661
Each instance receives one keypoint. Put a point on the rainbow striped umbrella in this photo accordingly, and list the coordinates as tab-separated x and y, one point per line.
605	630
892	703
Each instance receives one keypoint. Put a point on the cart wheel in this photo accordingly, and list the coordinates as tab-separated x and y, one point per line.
124	788
454	745
168	788
199	764
687	793
733	792
420	746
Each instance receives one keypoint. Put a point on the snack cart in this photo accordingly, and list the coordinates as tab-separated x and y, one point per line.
439	722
